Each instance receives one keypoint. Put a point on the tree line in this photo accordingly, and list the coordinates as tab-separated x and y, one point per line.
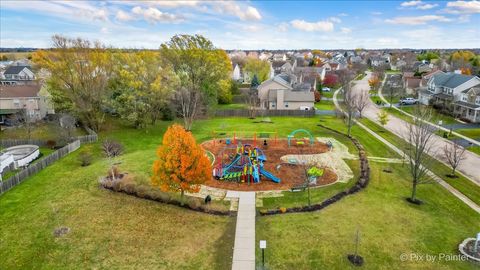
91	80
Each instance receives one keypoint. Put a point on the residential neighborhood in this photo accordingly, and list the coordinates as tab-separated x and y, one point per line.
239	134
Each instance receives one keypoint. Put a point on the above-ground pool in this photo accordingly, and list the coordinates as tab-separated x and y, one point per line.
22	155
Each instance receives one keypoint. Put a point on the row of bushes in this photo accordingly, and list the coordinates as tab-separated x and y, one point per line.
361	183
126	184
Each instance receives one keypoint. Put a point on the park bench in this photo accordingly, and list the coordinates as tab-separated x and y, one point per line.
299	188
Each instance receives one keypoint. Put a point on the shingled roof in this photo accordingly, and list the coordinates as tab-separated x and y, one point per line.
13	70
451	80
19	91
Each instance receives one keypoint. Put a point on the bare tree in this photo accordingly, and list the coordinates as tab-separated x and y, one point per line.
25	118
454	154
419	137
349	101
189	102
362	100
251	100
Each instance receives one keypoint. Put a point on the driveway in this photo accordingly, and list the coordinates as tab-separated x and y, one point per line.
470	166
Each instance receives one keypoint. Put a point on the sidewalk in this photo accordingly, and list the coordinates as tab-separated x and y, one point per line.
468	167
452	190
244	248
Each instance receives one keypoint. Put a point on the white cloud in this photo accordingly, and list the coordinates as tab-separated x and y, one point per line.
376	13
345	30
322	26
418	5
104	30
387	42
335	19
343	14
242	12
153	15
411	3
123	16
418	20
282	27
427	6
463	7
464	18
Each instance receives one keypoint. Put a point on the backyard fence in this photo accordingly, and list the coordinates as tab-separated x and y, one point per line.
90	138
263	113
38	166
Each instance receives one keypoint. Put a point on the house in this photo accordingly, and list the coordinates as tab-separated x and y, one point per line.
423	67
284	92
282	67
399	65
447	87
410	82
468	106
279	57
17	75
377	61
285	99
31	97
236	75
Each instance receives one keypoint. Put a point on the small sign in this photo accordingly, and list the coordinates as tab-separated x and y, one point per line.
263	244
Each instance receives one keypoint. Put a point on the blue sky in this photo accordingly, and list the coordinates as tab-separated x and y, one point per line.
246	24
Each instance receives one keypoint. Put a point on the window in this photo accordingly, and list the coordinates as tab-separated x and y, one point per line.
477	100
464	98
286	104
16	103
273	104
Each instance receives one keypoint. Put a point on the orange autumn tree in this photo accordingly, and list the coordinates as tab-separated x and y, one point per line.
182	164
374	83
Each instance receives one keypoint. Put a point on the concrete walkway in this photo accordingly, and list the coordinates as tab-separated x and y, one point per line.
452	190
244	248
468	167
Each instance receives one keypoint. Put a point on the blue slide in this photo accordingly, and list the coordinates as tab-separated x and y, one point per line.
270	176
235	160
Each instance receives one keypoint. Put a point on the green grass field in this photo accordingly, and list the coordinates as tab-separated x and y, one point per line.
41	131
325	105
112	230
462	184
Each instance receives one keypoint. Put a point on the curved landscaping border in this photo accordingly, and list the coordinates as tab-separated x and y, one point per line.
361	183
146	195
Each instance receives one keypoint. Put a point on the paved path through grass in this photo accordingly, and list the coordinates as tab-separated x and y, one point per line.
468	166
437	179
244	248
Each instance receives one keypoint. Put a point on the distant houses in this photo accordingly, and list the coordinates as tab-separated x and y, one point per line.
14	75
285	92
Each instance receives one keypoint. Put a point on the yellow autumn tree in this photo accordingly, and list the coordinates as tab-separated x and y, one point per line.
182	164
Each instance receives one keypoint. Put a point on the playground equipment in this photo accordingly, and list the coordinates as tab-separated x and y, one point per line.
246	165
292	135
231	137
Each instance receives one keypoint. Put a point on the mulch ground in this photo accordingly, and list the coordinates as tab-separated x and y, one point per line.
290	175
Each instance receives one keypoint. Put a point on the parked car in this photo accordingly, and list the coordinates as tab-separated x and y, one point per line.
408	101
326	89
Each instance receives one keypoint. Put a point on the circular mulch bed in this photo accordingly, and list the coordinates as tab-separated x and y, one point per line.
290	175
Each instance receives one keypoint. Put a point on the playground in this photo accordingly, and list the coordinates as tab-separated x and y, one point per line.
256	163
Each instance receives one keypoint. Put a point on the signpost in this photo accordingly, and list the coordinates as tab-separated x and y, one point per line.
263	246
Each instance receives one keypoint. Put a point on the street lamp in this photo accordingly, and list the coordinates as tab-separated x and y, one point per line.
263	246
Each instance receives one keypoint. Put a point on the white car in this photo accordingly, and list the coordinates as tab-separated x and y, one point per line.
326	89
408	101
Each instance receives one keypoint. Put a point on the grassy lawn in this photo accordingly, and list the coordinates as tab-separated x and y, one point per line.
231	106
325	105
469	189
41	131
446	119
360	77
328	94
389	226
112	230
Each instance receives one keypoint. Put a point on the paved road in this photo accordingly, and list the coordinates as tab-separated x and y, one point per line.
244	249
444	184
469	167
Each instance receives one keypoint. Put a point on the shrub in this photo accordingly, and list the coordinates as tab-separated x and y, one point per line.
283	209
51	144
112	148
113	172
85	157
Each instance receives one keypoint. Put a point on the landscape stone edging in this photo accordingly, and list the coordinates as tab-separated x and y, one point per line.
362	183
171	202
462	246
